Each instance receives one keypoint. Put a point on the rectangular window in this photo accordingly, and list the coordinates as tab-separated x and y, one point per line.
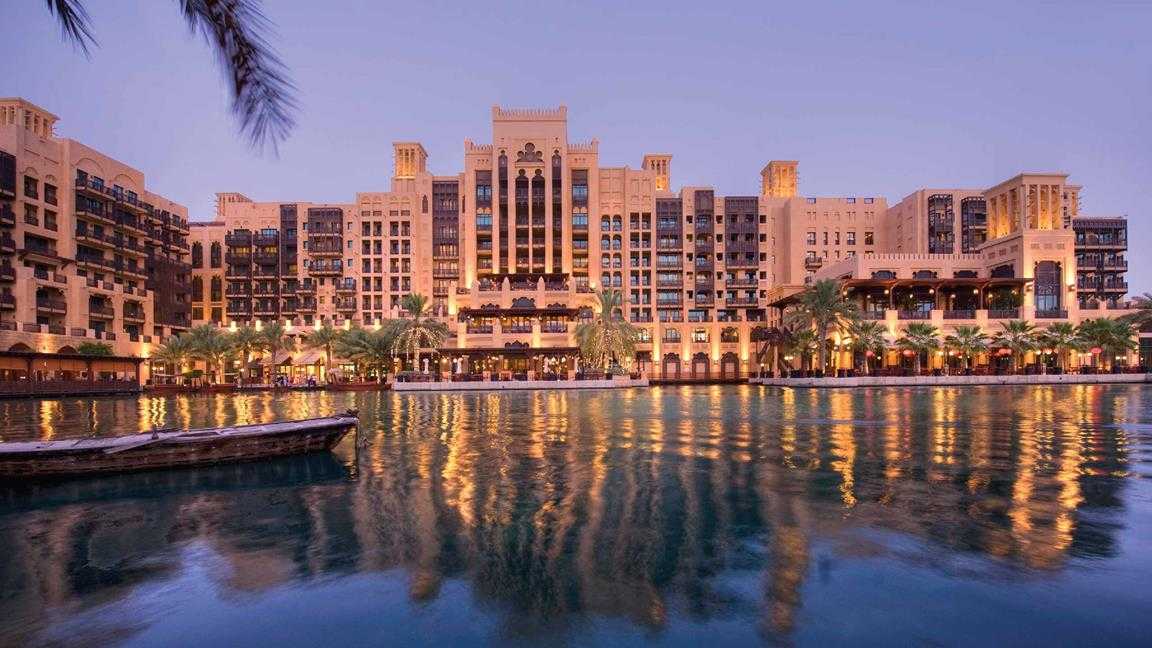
811	238
869	239
850	238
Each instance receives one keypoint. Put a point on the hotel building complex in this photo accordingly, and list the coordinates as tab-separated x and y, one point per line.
512	248
87	252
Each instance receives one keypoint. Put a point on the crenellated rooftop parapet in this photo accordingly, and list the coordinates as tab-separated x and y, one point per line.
584	147
472	147
530	114
903	265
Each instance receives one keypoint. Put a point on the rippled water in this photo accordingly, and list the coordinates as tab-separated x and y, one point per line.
973	516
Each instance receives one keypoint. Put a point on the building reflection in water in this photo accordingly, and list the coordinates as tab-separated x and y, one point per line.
635	505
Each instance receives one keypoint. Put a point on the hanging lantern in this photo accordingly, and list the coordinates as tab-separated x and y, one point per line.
870	353
909	353
1096	350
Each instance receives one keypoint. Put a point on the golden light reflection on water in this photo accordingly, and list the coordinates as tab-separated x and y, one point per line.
615	502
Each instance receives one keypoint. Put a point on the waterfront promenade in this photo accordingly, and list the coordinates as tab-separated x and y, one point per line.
928	381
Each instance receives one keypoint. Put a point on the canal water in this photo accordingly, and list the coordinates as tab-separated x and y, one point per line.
730	515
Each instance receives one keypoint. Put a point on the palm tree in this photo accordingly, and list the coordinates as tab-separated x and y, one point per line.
247	340
276	338
323	338
607	337
174	353
868	336
1112	336
920	337
418	330
262	94
1018	336
1062	337
372	349
801	343
770	338
967	340
210	344
822	306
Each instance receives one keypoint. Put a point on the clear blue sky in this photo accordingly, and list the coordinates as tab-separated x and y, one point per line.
875	98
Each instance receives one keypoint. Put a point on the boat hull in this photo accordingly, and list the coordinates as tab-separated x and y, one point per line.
173	451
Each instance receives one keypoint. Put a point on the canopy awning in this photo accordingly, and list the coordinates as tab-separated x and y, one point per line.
281	357
310	357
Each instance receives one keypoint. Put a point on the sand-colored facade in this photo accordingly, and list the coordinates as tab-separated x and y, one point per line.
88	253
512	248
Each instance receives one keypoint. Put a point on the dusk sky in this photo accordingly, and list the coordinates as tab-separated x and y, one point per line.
872	98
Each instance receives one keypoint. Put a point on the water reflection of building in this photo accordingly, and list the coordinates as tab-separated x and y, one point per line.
555	507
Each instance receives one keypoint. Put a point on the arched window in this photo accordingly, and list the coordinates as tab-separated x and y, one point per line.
216	258
197	288
216	289
197	255
424	205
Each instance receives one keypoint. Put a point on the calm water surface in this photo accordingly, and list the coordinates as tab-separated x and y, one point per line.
726	515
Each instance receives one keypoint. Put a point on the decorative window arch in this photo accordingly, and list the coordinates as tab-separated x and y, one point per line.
530	154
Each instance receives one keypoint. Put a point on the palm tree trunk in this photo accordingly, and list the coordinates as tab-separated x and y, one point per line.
823	347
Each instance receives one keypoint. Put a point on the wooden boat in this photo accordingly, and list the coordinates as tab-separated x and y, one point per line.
172	448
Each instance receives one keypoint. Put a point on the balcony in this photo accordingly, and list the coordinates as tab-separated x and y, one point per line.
7	301
1003	313
326	269
742	282
813	263
93	261
272	238
238	258
34	248
51	305
1054	313
7	245
960	314
741	302
265	290
238	239
479	329
914	314
133	314
100	311
7	273
95	213
53	277
308	306
347	287
238	291
7	216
